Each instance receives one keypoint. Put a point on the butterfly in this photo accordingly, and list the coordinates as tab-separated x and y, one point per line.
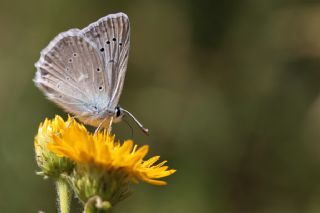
83	71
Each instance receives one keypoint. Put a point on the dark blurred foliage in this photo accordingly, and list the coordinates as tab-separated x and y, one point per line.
230	90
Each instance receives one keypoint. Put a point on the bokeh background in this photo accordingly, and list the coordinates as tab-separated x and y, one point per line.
229	89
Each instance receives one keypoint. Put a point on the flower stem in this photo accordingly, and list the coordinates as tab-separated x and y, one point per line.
63	192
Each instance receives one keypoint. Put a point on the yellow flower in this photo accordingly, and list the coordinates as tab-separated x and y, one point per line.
50	164
102	150
104	163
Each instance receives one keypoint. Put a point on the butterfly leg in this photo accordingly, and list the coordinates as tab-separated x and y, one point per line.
99	127
110	126
72	120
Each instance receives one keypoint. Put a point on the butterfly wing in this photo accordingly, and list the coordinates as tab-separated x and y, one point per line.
111	35
70	72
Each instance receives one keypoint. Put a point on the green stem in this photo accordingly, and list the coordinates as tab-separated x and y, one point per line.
64	195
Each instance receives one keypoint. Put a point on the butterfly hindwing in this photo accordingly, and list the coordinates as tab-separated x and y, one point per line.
70	73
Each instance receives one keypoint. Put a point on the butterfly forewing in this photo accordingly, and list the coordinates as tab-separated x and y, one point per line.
111	34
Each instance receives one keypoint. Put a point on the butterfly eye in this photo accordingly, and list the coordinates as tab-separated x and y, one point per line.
118	111
102	49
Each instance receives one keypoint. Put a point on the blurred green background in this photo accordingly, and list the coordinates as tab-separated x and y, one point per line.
229	89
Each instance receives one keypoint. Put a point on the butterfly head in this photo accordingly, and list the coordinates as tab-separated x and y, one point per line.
118	114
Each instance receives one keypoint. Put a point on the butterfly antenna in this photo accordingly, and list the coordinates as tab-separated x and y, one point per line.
144	130
129	126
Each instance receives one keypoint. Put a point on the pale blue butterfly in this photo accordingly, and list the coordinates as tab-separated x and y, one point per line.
83	71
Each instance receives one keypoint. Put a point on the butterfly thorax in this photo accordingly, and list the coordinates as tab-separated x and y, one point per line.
100	117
